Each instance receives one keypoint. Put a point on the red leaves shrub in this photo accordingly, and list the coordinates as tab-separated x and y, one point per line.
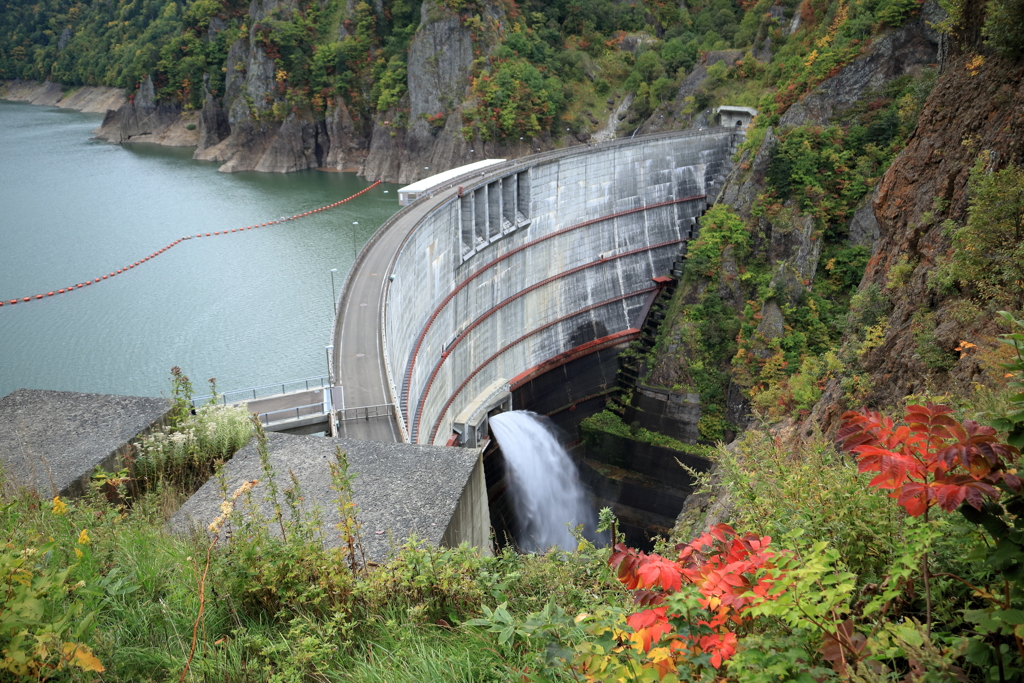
931	460
730	572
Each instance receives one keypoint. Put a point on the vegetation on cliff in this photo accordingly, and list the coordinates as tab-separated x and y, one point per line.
905	565
867	240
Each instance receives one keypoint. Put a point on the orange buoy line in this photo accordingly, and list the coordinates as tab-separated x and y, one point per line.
156	253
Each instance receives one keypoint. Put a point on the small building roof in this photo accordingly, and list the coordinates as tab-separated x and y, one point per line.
53	441
439	178
735	110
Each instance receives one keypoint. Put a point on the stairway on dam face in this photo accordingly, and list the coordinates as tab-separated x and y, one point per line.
522	263
538	268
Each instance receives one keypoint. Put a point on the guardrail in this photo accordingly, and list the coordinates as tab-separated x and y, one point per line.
253	393
365	412
498	169
291	413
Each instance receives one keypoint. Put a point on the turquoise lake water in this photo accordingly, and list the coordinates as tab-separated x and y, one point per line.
248	308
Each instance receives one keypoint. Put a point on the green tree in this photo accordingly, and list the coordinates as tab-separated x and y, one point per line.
988	251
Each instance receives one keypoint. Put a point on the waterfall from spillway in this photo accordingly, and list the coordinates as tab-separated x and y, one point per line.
543	481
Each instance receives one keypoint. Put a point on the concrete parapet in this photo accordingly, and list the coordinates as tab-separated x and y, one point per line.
52	441
400	490
535	260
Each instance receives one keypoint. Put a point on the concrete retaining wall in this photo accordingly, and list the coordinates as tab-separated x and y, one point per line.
536	260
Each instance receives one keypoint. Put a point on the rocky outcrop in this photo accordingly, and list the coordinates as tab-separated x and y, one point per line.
969	110
440	58
747	177
243	133
87	98
348	140
142	119
863	228
901	51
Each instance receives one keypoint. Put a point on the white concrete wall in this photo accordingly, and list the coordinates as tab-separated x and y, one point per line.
564	192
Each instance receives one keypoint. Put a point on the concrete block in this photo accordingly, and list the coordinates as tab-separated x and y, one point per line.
52	441
400	490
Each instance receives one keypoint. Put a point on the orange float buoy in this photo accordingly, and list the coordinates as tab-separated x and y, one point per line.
39	296
207	234
60	291
49	294
27	298
14	301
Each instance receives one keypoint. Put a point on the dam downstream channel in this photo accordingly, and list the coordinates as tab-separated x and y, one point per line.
248	309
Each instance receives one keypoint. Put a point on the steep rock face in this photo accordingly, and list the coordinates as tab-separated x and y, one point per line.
789	242
440	58
970	110
213	123
904	50
142	119
243	134
348	139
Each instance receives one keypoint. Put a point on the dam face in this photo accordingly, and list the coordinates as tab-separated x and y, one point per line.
533	261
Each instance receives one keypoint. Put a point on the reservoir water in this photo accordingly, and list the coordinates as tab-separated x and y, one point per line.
248	308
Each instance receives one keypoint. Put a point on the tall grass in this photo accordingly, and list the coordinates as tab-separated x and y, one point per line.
276	608
186	455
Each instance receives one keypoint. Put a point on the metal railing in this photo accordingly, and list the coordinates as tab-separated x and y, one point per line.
366	412
510	166
253	393
275	416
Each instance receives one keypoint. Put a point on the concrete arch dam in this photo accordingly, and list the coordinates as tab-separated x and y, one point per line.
496	274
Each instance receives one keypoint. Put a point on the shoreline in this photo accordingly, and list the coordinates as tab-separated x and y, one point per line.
102	99
92	99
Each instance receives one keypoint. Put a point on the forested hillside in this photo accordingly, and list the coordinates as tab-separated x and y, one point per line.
430	81
867	250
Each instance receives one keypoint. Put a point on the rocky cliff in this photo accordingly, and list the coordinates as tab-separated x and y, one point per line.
143	119
242	132
440	58
244	129
977	105
786	241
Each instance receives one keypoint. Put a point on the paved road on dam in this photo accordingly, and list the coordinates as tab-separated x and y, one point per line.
359	349
363	394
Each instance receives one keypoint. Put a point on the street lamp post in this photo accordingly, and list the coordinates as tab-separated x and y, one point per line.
354	223
334	294
333	412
